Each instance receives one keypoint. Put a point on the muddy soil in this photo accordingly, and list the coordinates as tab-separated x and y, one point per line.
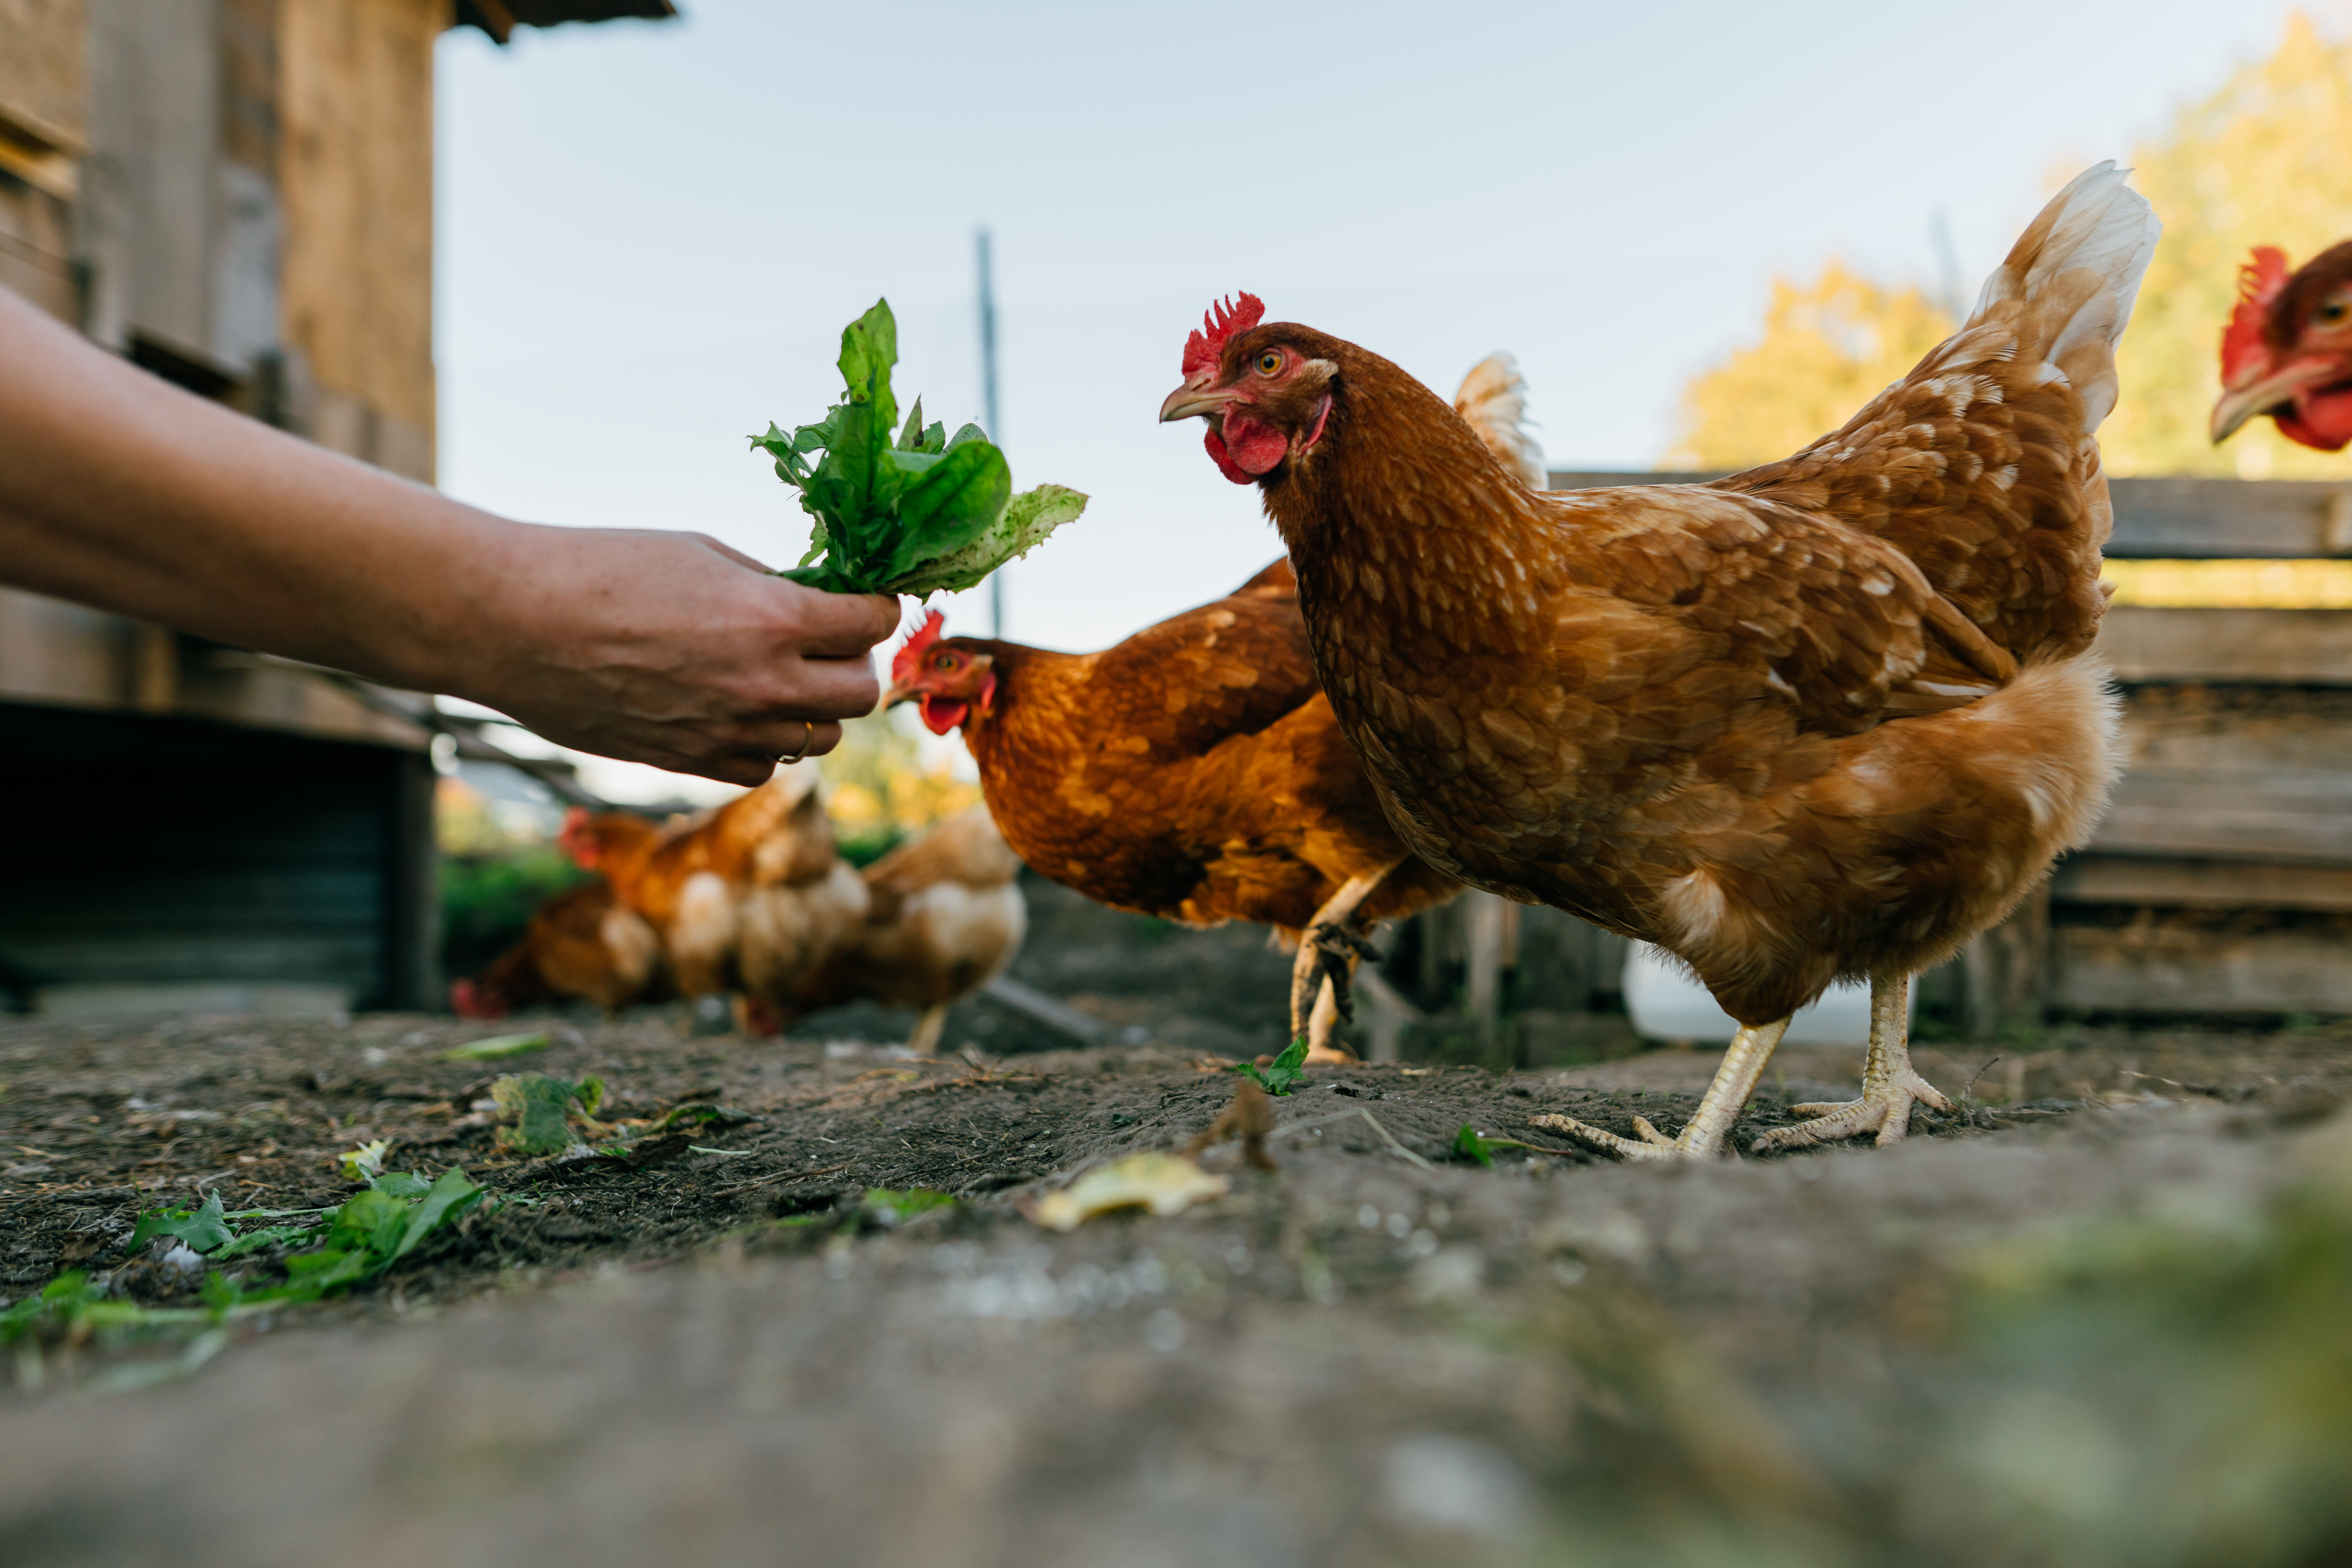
1378	1353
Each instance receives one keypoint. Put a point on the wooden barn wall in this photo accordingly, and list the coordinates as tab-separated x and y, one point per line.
356	86
153	850
43	88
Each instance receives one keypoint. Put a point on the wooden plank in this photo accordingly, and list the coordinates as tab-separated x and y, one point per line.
45	74
2164	882
2005	971
2301	648
356	105
2164	519
2161	971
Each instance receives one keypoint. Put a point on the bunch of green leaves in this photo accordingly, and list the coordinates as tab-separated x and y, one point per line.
1285	1073
366	1235
924	513
543	1115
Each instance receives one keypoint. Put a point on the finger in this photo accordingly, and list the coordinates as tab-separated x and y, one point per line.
841	625
827	688
728	767
773	741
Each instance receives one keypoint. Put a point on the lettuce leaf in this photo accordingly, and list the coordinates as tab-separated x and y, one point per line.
919	513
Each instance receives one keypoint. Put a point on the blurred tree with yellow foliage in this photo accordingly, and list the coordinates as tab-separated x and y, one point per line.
2265	161
886	784
1829	346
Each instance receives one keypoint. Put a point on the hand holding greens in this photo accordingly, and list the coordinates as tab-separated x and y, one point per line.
922	514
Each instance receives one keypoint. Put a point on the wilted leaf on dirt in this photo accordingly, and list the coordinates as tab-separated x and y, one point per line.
366	1164
539	1112
1164	1184
202	1229
496	1047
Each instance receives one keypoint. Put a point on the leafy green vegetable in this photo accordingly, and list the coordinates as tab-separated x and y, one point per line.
541	1112
924	513
202	1229
498	1046
1285	1072
369	1234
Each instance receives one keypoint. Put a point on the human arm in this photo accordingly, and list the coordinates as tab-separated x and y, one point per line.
120	491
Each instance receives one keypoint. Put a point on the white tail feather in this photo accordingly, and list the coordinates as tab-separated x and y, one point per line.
1494	399
2071	280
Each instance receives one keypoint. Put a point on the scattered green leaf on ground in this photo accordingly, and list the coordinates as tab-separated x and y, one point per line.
496	1047
891	1204
1469	1145
202	1229
1283	1074
543	1115
366	1164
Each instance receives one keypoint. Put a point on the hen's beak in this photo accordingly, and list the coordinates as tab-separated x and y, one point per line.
1194	397
896	694
2273	389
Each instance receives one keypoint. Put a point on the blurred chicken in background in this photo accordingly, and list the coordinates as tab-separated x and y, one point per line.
582	943
748	896
944	917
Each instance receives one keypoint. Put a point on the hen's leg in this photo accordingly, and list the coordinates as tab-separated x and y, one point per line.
1326	931
1735	1080
1319	1024
925	1037
1889	1087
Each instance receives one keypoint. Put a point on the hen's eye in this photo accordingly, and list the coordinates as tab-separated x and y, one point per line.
2333	312
1268	363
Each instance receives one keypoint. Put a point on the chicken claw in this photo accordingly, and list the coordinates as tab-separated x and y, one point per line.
1704	1137
1327	961
1889	1086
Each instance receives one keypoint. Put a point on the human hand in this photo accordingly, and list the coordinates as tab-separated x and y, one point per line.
667	649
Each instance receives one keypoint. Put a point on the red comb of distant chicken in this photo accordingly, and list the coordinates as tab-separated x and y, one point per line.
910	654
578	840
1220	321
2260	283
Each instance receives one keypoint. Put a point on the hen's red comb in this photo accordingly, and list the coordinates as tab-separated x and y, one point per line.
2260	283
578	838
1220	321
911	653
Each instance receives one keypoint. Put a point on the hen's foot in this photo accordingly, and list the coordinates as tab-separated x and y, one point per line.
1889	1087
1652	1145
1883	1109
1706	1134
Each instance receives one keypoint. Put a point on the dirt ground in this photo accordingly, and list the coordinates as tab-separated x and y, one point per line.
2024	1336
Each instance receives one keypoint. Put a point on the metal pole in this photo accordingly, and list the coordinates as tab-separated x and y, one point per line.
987	407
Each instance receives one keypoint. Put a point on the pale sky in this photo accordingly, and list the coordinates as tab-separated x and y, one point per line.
650	236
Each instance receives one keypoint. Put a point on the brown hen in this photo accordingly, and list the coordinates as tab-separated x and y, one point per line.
944	917
1828	718
1194	771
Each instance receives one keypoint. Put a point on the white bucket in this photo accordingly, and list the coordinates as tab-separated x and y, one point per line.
1668	1004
